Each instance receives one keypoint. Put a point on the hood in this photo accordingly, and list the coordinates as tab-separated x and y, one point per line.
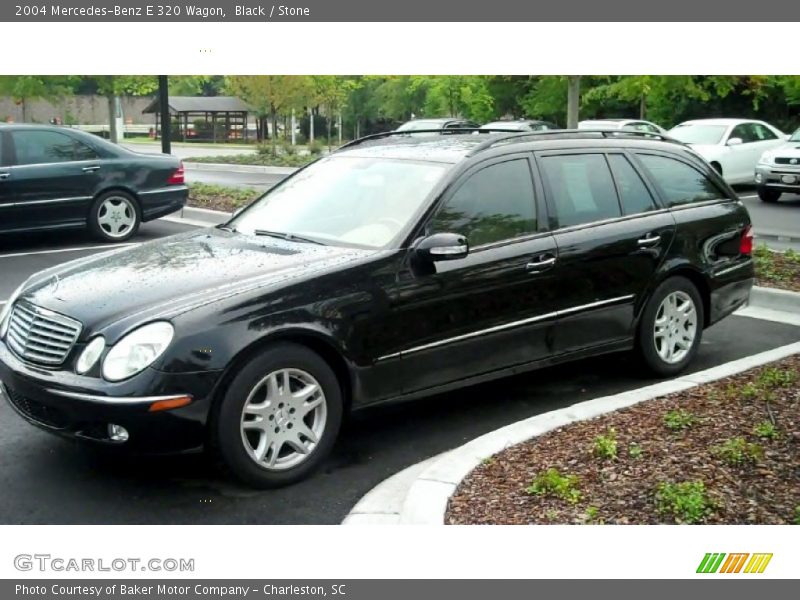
171	275
788	150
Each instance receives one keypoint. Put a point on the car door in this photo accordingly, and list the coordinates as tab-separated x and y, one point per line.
742	158
611	236
767	139
6	203
492	309
52	178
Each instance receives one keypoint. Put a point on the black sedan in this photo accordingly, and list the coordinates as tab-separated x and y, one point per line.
395	268
58	178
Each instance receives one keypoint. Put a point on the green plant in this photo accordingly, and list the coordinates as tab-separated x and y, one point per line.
287	149
315	148
687	502
772	377
766	430
553	483
737	451
749	390
796	520
593	515
605	446
489	460
678	419
635	450
264	150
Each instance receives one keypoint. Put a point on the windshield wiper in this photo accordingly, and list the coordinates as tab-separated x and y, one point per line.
287	236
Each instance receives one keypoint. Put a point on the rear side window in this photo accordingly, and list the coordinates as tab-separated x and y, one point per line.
36	147
581	188
680	183
633	193
493	204
84	152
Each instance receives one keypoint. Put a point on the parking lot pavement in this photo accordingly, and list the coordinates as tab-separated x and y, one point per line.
48	480
21	256
776	224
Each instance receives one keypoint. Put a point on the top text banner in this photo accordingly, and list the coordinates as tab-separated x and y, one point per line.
402	11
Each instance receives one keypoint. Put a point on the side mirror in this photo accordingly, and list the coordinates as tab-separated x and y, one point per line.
735	142
442	246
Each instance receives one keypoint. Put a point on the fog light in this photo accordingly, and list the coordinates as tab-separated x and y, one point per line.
117	433
759	177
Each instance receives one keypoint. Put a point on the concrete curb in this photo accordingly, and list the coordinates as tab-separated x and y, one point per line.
775	299
233	168
427	498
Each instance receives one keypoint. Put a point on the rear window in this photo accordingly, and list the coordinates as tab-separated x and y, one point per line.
581	188
679	182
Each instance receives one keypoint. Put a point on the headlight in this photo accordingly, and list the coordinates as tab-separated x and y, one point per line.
5	314
766	158
137	351
90	354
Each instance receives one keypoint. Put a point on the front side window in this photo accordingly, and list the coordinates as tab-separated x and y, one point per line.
680	183
692	133
763	133
493	204
36	147
344	200
744	132
581	188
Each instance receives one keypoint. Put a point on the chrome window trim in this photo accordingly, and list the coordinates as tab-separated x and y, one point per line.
114	399
503	327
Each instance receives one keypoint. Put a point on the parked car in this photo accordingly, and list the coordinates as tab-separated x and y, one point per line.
521	125
778	171
732	146
624	124
395	268
429	126
61	178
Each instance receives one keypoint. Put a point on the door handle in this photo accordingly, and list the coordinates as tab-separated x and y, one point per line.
541	263
5	175
91	169
651	239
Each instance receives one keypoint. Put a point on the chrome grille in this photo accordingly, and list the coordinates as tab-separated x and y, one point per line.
40	335
781	160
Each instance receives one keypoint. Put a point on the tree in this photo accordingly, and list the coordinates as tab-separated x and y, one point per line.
271	95
24	88
113	86
332	91
456	95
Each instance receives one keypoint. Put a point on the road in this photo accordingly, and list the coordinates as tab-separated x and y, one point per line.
774	223
53	481
185	151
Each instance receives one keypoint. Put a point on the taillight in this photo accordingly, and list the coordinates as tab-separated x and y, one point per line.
178	176
746	243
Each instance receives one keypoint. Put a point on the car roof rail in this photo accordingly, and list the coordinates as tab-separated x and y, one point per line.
574	133
448	131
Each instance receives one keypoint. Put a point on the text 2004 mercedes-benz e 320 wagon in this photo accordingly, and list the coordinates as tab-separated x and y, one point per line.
397	267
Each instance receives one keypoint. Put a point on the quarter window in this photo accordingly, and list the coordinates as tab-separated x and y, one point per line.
84	152
680	183
35	147
763	133
581	188
633	193
494	204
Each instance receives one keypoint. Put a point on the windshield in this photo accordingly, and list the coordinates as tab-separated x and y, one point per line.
420	124
795	137
698	134
515	125
344	200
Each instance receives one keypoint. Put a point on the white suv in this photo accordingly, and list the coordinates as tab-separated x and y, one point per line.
778	170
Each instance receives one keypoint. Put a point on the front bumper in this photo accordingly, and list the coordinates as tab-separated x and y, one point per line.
83	412
781	178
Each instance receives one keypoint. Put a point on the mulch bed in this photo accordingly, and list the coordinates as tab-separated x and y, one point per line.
218	197
764	488
778	270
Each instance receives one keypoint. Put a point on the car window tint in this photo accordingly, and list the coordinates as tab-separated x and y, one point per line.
581	187
494	204
763	133
35	147
633	193
680	183
84	152
745	132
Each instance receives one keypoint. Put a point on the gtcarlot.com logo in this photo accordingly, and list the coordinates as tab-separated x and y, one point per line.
738	562
46	562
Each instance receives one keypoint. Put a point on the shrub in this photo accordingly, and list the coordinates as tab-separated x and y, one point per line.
737	451
605	446
766	430
315	148
679	419
553	483
687	502
771	378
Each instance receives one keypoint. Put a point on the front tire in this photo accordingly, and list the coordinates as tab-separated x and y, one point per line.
768	195
671	327
280	417
115	217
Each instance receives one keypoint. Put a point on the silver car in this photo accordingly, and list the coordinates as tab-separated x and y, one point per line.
778	170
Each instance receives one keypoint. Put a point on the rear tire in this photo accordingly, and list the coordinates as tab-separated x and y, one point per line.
671	327
115	217
279	418
768	195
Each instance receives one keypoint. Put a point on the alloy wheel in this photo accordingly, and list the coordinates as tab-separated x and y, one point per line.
116	216
675	327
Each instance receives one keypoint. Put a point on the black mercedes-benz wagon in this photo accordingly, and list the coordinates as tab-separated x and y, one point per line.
397	267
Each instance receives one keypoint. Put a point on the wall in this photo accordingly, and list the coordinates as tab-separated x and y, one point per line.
81	110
